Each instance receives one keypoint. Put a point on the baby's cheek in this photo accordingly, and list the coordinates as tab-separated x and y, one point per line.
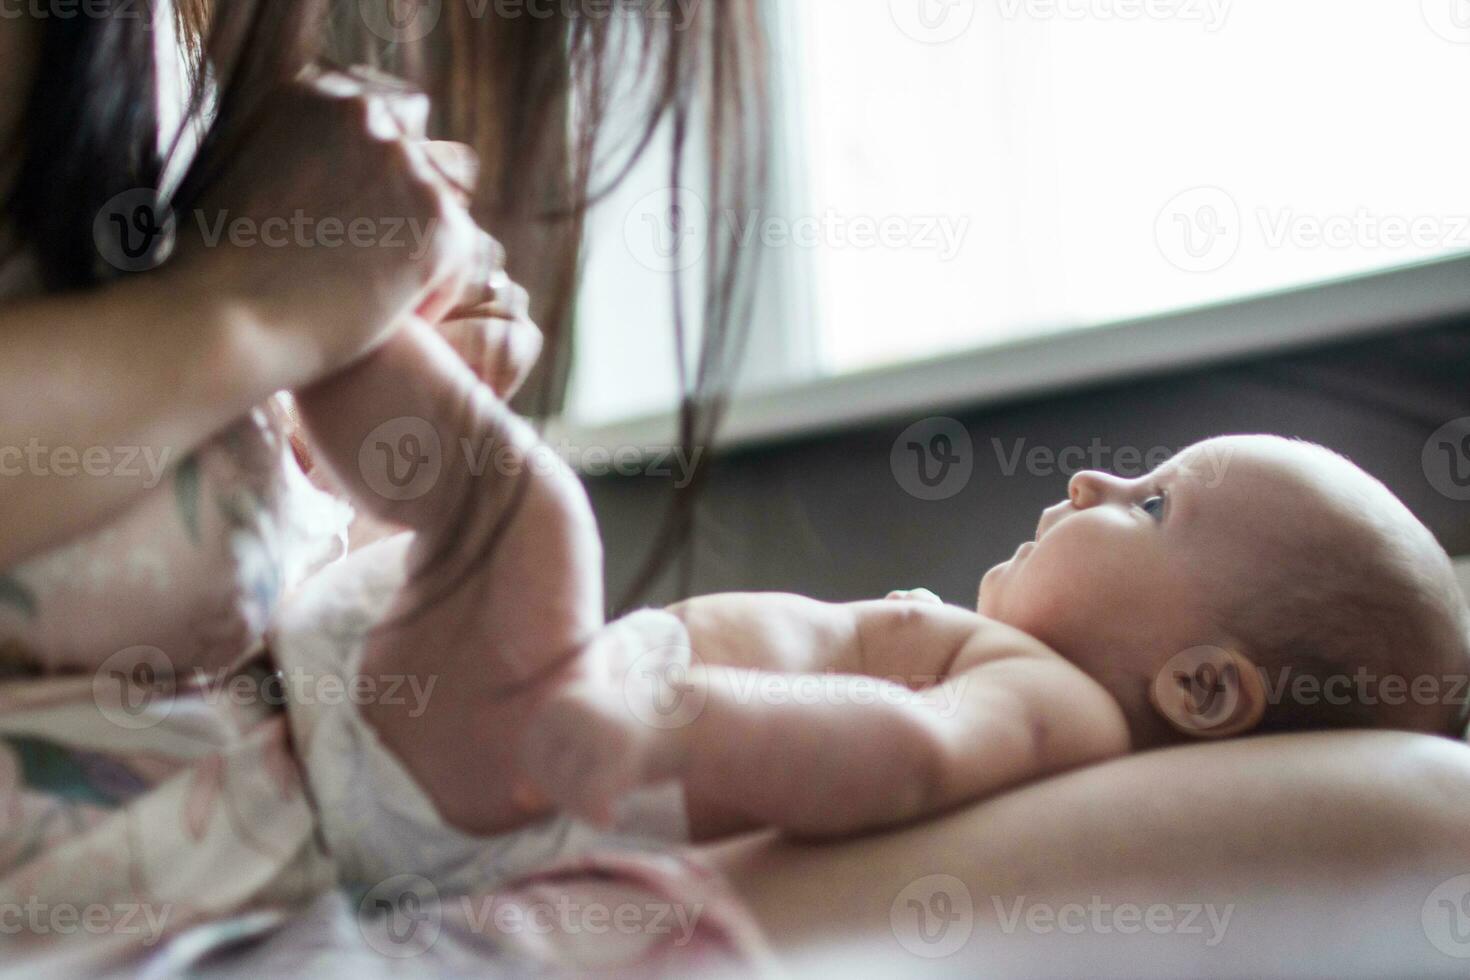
1062	601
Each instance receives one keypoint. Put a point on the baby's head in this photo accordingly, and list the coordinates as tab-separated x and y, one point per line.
1251	583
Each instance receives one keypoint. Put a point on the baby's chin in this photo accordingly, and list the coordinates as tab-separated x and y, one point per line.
986	603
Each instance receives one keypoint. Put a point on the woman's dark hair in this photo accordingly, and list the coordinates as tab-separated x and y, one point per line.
534	91
90	132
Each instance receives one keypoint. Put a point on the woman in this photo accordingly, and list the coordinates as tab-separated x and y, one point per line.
190	349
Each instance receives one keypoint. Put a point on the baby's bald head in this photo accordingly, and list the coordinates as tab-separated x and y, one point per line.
1294	565
1349	607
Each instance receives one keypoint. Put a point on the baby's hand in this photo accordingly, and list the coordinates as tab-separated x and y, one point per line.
497	338
915	595
615	726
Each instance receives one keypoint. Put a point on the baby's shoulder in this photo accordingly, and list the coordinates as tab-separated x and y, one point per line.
931	631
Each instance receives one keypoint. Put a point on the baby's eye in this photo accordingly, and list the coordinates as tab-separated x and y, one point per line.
1154	506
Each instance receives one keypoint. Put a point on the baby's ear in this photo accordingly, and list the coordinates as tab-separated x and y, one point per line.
1209	692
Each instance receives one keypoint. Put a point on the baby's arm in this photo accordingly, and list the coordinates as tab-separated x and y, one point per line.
420	443
900	710
505	568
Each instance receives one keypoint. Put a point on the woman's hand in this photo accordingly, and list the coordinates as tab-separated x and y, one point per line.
327	224
335	219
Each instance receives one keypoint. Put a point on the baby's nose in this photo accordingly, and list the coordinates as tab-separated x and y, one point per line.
1088	488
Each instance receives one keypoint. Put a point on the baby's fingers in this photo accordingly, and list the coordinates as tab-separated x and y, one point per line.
501	352
916	595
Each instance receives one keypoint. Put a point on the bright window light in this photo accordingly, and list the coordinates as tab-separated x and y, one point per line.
966	173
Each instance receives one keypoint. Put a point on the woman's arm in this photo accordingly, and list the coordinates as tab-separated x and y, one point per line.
155	364
1304	855
101	390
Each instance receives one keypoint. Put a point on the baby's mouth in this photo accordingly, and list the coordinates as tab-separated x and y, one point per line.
1025	549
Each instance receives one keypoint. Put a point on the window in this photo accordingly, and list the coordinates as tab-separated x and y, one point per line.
962	174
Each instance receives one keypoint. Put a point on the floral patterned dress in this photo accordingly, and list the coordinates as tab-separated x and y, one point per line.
140	792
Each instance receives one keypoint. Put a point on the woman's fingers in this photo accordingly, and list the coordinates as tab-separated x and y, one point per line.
395	110
458	164
405	105
348	150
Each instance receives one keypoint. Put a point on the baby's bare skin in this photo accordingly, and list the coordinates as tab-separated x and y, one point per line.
821	719
505	570
911	707
965	706
1142	614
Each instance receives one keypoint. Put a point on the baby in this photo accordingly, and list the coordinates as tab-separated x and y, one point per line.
1249	584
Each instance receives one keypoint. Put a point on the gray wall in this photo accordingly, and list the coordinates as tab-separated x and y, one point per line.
828	518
